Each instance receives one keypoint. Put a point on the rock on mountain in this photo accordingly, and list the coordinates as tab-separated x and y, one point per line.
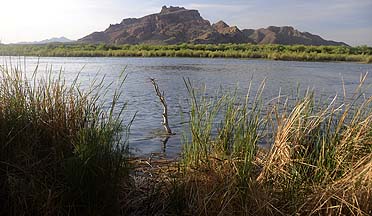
176	25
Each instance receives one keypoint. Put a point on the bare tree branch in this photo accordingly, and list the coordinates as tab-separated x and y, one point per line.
165	107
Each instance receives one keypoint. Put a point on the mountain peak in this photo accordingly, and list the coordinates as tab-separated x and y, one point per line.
51	40
175	25
170	9
220	25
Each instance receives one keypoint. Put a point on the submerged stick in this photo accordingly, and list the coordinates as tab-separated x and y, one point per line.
165	107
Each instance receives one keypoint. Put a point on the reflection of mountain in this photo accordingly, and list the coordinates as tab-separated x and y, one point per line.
51	40
175	25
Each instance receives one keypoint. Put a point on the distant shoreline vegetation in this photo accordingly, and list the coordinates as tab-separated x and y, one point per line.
270	51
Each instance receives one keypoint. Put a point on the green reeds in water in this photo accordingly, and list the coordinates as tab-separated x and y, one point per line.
319	161
61	151
236	135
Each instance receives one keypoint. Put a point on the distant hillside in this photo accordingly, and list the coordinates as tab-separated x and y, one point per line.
176	25
51	40
287	35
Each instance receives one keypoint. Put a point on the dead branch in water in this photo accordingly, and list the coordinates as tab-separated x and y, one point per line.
165	107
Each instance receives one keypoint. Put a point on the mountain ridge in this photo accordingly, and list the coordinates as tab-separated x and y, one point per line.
175	25
50	40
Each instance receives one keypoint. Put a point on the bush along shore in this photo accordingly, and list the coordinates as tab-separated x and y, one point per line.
63	153
271	51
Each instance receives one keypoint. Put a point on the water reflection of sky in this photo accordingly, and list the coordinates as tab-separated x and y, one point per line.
215	74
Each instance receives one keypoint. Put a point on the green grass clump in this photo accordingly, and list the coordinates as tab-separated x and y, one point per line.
235	136
61	151
319	162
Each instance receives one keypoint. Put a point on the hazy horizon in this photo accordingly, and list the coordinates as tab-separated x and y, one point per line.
339	20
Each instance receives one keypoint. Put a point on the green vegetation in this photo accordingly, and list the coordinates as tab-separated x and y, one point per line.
63	153
319	162
274	52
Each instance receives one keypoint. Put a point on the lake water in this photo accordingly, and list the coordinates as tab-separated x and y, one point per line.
324	78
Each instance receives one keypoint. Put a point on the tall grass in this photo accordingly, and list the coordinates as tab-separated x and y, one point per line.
61	151
319	162
236	135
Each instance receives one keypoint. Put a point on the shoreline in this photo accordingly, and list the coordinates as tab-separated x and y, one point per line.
233	51
180	57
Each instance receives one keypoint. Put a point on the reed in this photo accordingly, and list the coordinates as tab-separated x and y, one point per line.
318	163
62	152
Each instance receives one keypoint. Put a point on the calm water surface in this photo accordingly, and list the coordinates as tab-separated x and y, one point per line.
324	78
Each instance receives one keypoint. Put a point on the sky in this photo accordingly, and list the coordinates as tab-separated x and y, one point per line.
349	21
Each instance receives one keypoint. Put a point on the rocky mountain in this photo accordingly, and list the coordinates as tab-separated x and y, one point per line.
51	40
175	25
287	35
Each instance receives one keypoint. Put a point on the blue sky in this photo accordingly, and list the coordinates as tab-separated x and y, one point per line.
343	20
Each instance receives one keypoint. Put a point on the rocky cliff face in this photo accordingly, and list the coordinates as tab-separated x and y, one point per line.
175	25
287	35
172	25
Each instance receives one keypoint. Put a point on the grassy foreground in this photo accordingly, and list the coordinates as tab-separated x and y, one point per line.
319	162
274	52
62	153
